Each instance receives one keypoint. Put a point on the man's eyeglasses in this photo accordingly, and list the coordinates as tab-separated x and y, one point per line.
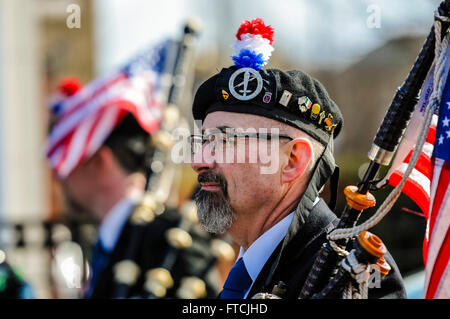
220	138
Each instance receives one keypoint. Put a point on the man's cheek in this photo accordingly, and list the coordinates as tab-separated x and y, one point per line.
73	191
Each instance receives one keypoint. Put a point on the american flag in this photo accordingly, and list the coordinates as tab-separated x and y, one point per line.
85	120
428	185
437	274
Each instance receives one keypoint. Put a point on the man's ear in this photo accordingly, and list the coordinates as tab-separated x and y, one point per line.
299	154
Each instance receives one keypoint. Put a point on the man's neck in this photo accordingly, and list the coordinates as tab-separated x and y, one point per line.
248	228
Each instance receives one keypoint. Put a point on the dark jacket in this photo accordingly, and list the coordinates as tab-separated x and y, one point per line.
293	258
151	250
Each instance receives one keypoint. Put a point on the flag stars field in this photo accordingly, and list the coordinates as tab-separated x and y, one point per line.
445	121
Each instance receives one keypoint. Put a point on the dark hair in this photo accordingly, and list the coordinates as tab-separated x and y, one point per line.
130	144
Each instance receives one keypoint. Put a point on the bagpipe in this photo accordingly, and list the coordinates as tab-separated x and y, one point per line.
343	264
161	175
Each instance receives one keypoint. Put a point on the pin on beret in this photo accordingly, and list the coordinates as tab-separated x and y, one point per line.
291	97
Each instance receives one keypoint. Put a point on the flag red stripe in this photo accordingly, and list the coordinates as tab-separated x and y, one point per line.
131	107
88	138
431	136
99	117
444	180
65	144
423	164
424	250
439	267
413	190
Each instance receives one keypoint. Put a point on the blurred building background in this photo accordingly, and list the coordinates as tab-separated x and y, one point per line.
360	50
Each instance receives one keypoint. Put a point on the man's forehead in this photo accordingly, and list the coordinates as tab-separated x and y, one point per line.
237	120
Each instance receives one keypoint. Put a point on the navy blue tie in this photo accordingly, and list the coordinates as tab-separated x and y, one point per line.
237	283
99	259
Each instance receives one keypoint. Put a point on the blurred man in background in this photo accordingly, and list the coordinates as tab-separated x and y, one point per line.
110	185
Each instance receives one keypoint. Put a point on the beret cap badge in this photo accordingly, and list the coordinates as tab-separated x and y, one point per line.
241	89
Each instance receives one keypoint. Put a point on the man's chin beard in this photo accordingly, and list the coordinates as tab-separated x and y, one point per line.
214	211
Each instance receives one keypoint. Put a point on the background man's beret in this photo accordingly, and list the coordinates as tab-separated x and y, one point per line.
291	97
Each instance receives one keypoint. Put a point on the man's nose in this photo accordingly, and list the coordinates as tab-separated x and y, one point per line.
203	160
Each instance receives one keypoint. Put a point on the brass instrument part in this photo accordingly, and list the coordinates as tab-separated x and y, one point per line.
163	140
145	211
158	281
191	288
179	238
222	250
126	272
189	211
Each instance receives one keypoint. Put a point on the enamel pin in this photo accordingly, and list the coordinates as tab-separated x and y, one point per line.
285	98
304	103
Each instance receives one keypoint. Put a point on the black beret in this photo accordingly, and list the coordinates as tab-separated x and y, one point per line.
291	97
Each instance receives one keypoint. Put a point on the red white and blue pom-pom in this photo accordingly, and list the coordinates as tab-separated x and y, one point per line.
67	87
253	46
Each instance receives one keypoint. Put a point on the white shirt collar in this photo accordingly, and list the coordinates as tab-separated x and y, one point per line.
111	226
256	256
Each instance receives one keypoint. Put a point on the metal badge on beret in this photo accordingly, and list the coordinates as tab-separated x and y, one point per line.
225	95
329	126
304	104
267	97
315	110
285	98
240	89
321	117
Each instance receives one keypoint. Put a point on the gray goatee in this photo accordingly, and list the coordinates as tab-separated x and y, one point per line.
213	208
